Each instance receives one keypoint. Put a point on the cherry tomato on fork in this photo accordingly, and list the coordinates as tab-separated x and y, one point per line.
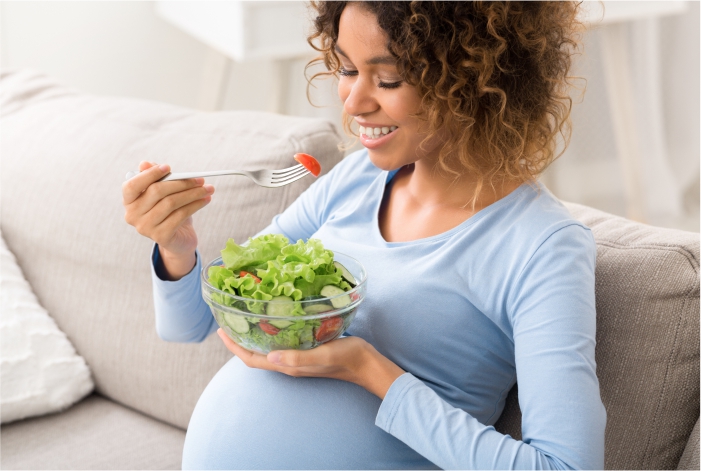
310	163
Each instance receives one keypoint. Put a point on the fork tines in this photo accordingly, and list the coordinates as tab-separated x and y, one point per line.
288	173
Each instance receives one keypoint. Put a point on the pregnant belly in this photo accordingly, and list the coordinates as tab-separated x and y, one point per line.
253	419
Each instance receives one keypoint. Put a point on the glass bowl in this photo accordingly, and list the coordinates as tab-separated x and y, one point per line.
263	326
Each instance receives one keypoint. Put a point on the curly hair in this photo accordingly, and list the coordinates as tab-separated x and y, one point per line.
493	74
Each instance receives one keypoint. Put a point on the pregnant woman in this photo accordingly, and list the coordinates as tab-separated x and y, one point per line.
478	276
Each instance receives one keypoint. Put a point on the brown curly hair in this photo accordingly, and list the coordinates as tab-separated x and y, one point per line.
493	74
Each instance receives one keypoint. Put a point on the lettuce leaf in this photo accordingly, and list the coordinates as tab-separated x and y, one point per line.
257	252
296	270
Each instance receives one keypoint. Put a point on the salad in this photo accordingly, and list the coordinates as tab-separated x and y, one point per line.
276	295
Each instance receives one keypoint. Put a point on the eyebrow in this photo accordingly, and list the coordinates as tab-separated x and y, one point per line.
386	60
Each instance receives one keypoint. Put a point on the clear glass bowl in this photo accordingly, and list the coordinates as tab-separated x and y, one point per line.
250	324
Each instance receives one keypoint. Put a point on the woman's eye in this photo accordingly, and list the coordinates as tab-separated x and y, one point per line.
389	84
343	72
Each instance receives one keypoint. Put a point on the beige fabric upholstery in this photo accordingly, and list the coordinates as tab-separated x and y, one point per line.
647	298
64	158
96	433
690	457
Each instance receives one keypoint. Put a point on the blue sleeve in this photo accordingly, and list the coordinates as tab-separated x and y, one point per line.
181	313
553	315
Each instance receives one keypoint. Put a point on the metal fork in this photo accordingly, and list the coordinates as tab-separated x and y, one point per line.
265	178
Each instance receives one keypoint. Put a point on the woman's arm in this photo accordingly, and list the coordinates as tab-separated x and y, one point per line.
553	318
181	313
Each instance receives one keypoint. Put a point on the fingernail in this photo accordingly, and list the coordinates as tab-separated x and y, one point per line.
274	357
164	168
209	188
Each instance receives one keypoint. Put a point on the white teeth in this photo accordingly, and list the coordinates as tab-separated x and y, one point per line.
374	133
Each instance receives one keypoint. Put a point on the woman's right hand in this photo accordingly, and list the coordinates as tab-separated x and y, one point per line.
162	211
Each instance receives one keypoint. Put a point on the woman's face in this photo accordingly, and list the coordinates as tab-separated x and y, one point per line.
374	94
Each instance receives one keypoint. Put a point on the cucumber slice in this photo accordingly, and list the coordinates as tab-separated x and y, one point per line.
317	308
280	306
329	291
280	324
346	274
237	323
316	304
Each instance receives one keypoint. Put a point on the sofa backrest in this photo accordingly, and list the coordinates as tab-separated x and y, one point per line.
64	158
647	352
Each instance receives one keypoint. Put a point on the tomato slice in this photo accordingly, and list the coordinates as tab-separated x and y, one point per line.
328	329
310	163
244	273
268	328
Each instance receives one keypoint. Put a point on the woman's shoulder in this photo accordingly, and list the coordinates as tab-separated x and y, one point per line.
535	217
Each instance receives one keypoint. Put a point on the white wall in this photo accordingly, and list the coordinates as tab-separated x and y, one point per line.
126	49
113	48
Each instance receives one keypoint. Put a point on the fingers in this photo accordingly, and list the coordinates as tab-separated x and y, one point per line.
292	358
157	209
250	359
143	165
231	345
164	199
166	228
132	188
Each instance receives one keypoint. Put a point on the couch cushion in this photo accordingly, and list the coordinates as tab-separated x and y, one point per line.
647	353
690	458
65	155
39	369
96	433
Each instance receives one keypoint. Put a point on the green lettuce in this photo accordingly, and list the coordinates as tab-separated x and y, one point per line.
296	270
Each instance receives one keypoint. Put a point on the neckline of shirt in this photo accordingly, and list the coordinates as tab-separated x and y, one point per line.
481	214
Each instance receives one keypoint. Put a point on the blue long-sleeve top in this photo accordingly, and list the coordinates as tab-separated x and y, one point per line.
506	296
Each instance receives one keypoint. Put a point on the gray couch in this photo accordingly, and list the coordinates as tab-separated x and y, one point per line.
64	156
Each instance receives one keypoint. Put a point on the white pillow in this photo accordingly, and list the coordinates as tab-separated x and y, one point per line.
40	371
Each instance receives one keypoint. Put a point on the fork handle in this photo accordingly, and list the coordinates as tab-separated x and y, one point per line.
186	175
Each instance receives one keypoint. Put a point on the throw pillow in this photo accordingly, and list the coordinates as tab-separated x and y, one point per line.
40	371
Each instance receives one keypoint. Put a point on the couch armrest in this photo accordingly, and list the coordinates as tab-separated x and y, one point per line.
690	457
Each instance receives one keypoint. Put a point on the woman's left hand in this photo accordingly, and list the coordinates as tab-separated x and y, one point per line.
349	359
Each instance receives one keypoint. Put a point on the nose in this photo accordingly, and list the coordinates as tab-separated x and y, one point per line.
357	97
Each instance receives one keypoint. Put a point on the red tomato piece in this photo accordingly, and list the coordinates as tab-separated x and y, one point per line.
268	328
310	163
244	273
328	329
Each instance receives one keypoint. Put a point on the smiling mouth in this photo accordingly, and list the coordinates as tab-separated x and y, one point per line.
375	133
